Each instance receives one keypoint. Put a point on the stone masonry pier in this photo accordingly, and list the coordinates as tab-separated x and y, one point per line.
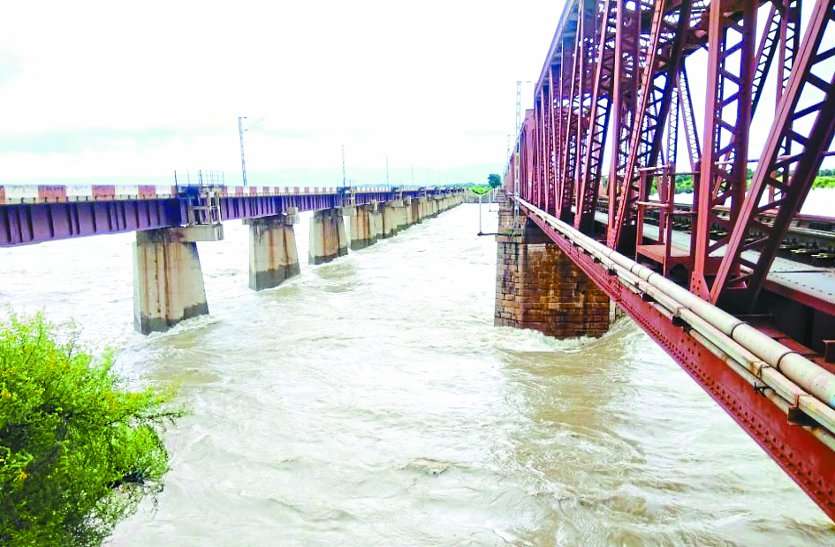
539	288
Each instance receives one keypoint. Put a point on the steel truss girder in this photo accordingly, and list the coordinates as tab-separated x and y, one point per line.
598	118
642	96
575	117
624	101
807	131
664	51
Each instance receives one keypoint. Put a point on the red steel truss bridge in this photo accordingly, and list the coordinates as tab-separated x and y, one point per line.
614	126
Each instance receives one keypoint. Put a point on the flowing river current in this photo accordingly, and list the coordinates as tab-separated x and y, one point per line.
370	401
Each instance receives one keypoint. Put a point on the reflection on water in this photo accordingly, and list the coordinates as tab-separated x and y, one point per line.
371	402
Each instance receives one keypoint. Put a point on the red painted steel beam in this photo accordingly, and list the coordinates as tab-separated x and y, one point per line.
574	117
691	131
624	101
722	176
664	50
796	450
766	49
598	118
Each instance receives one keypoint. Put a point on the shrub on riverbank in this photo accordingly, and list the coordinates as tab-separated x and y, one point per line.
77	453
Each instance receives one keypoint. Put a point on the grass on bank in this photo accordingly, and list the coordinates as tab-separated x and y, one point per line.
77	452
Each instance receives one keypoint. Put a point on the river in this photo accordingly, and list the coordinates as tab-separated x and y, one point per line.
370	401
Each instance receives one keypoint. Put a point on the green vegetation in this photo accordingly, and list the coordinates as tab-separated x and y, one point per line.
493	182
824	182
480	190
684	183
77	453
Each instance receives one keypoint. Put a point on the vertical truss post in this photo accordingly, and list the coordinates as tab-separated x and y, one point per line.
624	98
542	141
688	116
722	177
574	122
552	144
765	53
563	118
598	118
530	149
661	63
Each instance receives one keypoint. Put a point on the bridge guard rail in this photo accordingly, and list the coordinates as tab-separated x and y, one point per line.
754	377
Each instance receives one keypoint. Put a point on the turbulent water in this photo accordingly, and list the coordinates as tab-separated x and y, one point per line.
370	401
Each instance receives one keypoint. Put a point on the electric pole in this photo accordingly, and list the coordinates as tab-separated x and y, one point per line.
241	136
343	167
387	170
516	154
516	170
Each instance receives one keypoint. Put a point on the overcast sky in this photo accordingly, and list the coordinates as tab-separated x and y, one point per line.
93	91
105	92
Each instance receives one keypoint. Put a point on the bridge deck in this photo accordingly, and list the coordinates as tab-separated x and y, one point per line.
38	213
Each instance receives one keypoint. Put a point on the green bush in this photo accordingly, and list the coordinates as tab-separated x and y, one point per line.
77	453
827	181
480	190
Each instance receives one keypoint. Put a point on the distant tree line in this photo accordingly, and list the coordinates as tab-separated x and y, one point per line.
684	183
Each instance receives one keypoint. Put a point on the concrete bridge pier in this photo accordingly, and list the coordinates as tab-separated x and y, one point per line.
538	287
273	256
408	213
167	278
375	220
391	217
417	208
327	235
423	208
366	226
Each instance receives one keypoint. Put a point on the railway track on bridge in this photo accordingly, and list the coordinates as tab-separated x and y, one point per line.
732	286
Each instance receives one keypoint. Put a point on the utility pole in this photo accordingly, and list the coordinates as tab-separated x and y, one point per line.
413	175
343	167
241	136
387	170
516	169
516	154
